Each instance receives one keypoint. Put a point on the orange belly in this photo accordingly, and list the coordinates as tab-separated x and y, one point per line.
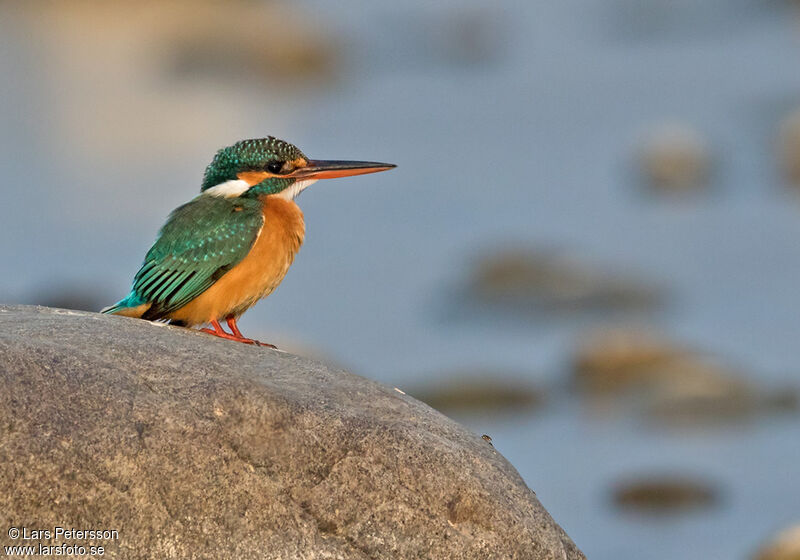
258	274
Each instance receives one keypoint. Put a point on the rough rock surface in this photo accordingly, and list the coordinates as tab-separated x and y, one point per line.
195	447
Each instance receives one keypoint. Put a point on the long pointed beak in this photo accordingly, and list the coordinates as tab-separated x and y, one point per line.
331	169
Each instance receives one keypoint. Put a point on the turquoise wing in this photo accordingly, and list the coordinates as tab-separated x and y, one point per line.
200	242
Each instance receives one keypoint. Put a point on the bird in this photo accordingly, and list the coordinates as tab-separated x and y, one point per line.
220	253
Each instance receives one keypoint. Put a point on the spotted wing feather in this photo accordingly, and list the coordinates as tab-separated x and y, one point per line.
200	242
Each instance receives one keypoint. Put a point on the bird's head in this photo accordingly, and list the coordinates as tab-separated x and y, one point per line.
269	166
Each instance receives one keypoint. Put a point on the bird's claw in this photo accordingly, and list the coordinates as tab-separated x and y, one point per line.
255	342
222	334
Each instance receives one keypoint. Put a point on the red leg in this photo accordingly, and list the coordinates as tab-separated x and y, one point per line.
232	326
231	321
220	332
237	334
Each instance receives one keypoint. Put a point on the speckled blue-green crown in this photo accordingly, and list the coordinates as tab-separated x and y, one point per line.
247	155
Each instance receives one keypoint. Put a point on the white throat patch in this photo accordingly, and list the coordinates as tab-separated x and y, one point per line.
228	189
237	187
291	192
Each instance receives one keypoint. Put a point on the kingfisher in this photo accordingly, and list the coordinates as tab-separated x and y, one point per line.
220	253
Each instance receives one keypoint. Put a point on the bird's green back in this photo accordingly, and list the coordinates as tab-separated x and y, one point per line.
201	241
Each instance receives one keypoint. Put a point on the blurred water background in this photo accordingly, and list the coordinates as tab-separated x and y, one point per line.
589	250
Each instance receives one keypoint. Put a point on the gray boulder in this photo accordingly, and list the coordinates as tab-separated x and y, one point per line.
194	447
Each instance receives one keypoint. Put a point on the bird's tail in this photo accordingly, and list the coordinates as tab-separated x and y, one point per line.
131	306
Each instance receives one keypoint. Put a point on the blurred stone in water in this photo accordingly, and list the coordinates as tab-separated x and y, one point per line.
480	391
675	158
273	42
670	384
270	40
664	494
615	360
704	396
529	280
119	97
789	147
783	546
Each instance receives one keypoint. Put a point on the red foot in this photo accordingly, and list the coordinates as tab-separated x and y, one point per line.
231	321
237	334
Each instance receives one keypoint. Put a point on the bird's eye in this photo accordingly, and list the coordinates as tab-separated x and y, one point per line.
275	167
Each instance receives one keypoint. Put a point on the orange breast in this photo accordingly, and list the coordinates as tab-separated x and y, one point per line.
258	274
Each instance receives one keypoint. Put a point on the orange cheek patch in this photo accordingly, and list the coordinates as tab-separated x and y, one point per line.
254	177
298	163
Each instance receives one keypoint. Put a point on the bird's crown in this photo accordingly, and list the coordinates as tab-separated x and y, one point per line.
249	155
